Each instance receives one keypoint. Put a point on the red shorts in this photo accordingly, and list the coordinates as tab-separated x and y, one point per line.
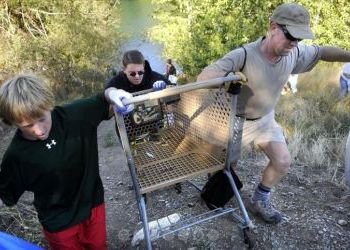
89	234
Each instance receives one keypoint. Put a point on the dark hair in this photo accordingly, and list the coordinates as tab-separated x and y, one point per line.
168	61
133	57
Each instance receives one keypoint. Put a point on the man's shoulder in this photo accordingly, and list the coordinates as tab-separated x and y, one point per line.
243	50
307	49
253	46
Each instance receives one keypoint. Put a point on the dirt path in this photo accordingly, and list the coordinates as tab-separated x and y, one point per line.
313	208
317	212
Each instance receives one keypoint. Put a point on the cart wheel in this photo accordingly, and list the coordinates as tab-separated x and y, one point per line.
178	188
248	239
146	198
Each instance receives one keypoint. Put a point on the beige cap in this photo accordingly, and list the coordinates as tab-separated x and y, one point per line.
296	19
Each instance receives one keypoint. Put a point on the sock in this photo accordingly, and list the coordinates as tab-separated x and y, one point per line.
261	193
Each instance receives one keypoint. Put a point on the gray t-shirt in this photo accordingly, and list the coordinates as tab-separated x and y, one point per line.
265	79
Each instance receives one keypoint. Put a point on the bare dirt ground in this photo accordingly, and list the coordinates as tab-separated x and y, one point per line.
316	211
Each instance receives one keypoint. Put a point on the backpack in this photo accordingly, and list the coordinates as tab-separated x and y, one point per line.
217	191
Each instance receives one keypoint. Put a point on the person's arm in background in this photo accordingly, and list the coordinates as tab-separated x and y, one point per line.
334	54
166	80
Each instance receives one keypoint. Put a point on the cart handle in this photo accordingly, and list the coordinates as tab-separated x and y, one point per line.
216	82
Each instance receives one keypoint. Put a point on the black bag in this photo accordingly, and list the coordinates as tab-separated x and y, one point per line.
218	191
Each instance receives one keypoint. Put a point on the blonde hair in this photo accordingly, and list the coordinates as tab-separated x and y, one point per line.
24	97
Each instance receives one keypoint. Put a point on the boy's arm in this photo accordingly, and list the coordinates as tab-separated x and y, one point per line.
106	94
115	97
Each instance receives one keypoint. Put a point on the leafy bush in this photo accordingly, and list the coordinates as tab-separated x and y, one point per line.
196	33
69	42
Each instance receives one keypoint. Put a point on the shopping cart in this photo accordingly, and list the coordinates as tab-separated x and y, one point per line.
169	144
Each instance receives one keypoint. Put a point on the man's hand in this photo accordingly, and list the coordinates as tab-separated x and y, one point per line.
159	85
243	80
234	87
116	97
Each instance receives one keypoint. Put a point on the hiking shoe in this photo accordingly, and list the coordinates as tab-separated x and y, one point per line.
264	210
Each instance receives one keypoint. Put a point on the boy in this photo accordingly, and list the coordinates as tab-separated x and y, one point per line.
54	155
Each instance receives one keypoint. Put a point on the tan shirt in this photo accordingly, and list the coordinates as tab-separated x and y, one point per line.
265	79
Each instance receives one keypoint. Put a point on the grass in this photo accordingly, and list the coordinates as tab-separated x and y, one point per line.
316	122
21	221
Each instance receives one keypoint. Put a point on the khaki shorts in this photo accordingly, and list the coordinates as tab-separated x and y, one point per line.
262	130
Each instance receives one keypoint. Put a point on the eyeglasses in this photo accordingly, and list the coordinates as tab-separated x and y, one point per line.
134	73
288	35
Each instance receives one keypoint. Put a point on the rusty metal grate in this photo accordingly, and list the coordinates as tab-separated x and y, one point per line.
174	158
191	144
171	171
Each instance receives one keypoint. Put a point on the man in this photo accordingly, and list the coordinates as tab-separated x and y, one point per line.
54	155
267	63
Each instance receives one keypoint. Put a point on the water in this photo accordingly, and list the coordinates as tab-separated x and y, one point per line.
136	19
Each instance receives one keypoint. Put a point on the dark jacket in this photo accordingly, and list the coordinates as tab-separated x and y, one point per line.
120	81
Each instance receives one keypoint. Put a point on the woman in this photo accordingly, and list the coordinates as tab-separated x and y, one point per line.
137	75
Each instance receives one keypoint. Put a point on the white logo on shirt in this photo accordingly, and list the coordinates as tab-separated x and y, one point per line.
50	145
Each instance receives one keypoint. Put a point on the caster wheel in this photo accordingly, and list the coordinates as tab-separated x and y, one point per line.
248	238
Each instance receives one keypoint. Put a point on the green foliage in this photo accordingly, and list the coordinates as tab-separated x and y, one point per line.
71	43
197	32
330	21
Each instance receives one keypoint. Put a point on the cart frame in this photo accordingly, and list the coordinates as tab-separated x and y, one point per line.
229	155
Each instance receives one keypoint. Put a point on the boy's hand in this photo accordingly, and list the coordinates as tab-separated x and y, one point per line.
116	96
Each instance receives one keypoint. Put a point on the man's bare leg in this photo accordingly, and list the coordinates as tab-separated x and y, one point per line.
279	162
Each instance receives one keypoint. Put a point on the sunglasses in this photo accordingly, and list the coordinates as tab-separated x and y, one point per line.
288	35
134	73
